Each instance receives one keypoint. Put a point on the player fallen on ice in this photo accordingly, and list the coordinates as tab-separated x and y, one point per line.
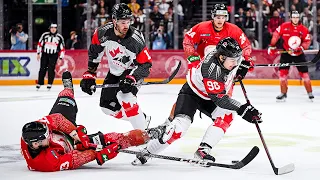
129	63
206	90
55	143
296	39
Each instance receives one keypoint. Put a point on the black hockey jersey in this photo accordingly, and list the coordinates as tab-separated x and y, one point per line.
125	53
209	80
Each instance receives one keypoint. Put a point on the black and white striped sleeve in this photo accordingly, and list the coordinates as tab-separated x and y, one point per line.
213	79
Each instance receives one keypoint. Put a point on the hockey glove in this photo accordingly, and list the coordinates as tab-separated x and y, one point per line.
83	137
298	50
242	70
272	50
127	84
249	113
193	61
107	153
88	80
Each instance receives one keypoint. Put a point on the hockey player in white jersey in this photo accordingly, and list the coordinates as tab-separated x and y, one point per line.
129	63
206	90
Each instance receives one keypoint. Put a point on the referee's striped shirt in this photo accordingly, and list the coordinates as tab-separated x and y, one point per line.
51	44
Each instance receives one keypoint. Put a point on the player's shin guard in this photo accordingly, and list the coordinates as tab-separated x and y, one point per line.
283	84
306	81
131	110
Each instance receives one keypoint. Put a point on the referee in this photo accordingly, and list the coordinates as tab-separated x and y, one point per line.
50	47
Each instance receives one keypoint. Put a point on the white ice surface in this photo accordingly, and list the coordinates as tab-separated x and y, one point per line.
291	130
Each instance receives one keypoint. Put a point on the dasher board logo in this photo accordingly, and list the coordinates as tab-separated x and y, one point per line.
67	63
14	66
171	64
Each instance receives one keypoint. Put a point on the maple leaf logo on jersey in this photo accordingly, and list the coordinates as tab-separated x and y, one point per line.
130	110
174	137
114	52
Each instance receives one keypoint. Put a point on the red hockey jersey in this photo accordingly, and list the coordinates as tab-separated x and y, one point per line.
293	37
60	154
202	38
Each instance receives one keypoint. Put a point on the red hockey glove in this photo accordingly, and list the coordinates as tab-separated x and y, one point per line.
83	137
298	50
272	50
193	61
107	153
88	80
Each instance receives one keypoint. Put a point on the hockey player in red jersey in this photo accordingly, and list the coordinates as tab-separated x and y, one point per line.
203	38
206	90
129	63
296	39
55	143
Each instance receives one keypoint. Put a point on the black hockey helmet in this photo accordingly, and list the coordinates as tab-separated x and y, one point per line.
121	11
34	131
228	47
294	14
220	9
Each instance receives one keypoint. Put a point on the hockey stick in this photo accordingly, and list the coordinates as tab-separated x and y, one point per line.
278	171
313	61
166	81
249	157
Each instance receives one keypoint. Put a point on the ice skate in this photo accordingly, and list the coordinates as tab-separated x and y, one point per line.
38	87
282	97
49	86
203	153
311	97
67	80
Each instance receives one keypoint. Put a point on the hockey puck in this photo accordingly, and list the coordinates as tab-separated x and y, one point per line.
234	161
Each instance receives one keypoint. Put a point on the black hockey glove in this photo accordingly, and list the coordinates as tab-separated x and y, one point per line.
88	80
242	70
127	84
249	113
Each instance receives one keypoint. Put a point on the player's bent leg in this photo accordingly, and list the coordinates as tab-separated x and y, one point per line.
180	123
131	111
213	135
66	105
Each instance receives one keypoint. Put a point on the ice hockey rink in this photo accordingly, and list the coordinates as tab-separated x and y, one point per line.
291	130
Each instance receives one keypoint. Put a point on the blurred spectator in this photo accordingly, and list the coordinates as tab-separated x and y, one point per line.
265	7
18	38
304	14
275	21
253	41
168	28
241	13
140	21
163	7
102	4
282	12
159	39
92	27
298	5
102	18
239	21
308	22
249	24
134	6
73	42
156	17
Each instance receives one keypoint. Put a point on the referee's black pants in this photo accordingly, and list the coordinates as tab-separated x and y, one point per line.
48	63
